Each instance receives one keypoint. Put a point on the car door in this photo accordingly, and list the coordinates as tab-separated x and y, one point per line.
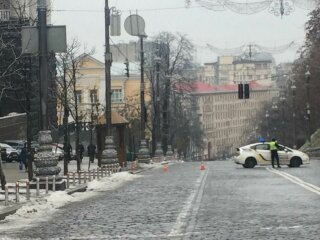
283	154
264	154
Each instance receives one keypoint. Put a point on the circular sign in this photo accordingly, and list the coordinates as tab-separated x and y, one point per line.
134	25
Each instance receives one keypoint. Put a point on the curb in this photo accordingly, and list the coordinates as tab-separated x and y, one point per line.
12	209
140	170
9	210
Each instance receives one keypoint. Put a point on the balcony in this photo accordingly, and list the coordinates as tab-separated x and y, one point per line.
4	14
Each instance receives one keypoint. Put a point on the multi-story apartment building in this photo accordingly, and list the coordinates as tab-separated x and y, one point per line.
19	74
238	69
207	73
229	122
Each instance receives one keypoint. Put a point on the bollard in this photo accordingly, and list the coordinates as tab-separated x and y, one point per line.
68	180
38	187
54	183
17	192
89	175
85	177
6	196
74	178
79	177
94	174
47	185
28	189
98	175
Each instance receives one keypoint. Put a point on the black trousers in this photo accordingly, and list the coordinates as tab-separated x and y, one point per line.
274	155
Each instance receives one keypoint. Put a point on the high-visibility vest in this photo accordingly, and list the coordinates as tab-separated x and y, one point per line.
273	145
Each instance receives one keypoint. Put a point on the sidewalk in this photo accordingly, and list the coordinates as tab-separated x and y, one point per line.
106	182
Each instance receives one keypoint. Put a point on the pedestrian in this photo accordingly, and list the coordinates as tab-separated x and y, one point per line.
68	150
81	150
274	152
2	176
23	158
91	151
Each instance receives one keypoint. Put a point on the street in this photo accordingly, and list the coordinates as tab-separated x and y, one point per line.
225	201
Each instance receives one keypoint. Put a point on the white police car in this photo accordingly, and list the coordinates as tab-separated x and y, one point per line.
259	154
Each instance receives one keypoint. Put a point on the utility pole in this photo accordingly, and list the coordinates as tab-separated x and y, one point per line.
108	62
142	103
65	122
109	154
43	58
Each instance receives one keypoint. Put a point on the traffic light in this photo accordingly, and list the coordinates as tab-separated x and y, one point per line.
243	91
127	68
246	91
240	91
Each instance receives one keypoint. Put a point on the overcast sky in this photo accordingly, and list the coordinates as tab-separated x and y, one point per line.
222	29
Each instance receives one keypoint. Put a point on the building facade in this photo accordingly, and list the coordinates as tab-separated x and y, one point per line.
238	69
19	76
14	9
90	90
229	122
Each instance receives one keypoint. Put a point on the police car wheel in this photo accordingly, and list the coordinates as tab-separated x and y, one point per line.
250	162
295	162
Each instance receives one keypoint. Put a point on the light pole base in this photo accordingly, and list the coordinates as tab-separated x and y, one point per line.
109	154
169	154
158	155
143	154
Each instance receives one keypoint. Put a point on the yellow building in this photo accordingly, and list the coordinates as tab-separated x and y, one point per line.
90	89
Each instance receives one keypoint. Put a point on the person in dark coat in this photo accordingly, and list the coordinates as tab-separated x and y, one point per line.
23	158
91	152
68	151
81	150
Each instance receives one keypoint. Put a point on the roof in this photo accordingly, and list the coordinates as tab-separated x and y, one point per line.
200	87
116	119
256	57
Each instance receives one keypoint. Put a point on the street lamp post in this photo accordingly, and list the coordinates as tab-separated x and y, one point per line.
308	111
143	155
109	154
267	122
293	88
158	151
274	112
283	99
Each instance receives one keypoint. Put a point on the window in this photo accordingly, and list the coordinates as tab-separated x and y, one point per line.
116	95
79	96
262	147
93	96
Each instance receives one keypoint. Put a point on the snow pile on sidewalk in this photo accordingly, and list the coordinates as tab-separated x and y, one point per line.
41	209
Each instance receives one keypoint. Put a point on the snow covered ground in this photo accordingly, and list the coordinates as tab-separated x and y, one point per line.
42	208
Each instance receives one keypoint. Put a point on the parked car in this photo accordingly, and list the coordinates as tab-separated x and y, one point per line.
8	153
16	144
260	154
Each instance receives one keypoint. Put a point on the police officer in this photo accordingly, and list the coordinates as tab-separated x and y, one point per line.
274	152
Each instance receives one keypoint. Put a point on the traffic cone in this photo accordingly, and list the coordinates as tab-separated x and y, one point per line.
165	167
202	167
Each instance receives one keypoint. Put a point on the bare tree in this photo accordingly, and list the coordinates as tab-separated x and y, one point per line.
170	70
68	70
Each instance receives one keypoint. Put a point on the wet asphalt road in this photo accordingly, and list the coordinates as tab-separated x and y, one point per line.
225	201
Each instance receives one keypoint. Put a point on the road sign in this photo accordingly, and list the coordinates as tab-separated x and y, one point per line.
56	39
134	25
